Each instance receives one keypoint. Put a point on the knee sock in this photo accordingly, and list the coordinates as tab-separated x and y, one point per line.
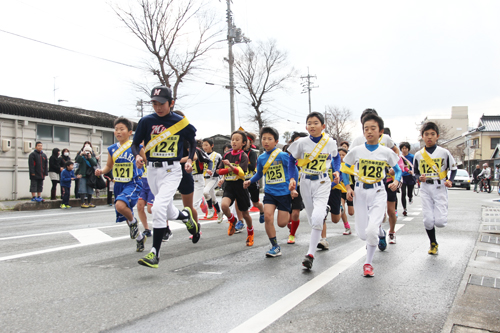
432	235
217	208
274	241
370	251
158	234
313	244
232	219
380	232
209	203
250	231
295	225
346	225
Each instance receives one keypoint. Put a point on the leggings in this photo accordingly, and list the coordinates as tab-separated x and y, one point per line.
403	193
53	190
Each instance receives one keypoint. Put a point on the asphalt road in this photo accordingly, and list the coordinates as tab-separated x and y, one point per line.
76	271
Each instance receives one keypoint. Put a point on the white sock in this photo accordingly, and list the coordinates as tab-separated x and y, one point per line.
139	237
370	251
381	231
315	237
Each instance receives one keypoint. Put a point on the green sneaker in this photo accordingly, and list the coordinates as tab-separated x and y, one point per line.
62	206
150	260
140	244
192	226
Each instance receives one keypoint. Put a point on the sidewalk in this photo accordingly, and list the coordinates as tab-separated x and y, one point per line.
476	308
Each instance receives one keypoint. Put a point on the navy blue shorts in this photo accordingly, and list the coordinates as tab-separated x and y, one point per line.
349	202
129	194
282	202
186	185
146	193
334	201
391	195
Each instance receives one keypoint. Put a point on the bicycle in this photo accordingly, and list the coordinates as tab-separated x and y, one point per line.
484	186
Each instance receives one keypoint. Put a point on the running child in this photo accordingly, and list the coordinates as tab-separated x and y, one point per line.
202	164
408	179
253	189
274	165
369	161
211	179
233	167
165	134
314	155
431	165
126	175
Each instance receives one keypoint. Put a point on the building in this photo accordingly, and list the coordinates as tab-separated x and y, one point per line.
23	122
454	126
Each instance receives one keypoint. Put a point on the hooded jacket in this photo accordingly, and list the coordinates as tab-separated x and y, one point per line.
38	165
54	161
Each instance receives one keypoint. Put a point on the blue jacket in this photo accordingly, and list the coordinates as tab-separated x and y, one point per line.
66	177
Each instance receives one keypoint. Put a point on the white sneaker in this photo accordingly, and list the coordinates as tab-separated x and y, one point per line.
220	217
392	238
211	213
323	244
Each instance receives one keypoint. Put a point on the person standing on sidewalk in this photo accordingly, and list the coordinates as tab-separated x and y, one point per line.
54	172
67	175
475	177
85	160
38	166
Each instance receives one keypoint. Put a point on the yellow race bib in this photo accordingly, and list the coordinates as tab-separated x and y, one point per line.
317	166
165	149
371	169
232	176
123	172
275	174
425	169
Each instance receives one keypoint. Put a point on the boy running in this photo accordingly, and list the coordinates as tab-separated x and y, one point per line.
211	179
431	165
274	165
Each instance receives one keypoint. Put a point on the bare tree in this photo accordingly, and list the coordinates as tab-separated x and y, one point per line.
262	69
287	135
338	123
178	34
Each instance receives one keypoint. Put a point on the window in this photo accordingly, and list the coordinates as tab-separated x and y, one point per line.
494	142
52	133
108	138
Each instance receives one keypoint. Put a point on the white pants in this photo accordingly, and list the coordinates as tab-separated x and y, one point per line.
199	185
370	205
434	205
315	194
163	182
209	190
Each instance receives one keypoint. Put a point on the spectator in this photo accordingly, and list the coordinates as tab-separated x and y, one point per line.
54	172
64	158
67	175
77	180
38	166
86	159
475	177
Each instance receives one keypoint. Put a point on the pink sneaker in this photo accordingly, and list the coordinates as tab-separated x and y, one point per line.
203	206
368	270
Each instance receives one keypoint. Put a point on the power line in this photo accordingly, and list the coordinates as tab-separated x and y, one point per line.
66	49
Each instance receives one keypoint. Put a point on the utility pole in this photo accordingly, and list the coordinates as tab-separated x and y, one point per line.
307	86
234	36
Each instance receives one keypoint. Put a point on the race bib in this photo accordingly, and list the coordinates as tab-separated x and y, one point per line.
123	172
166	148
232	176
205	168
426	170
195	168
370	169
249	175
275	174
316	167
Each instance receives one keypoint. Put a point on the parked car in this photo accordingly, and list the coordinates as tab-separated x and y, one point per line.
462	179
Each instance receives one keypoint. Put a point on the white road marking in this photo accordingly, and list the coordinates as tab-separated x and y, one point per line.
414	213
90	236
407	219
60	214
275	311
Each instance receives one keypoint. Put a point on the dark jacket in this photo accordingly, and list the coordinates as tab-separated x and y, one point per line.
475	174
62	161
82	168
38	165
54	162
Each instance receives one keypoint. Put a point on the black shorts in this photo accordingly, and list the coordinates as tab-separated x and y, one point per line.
36	185
253	189
349	202
334	201
234	191
391	195
297	202
186	185
282	202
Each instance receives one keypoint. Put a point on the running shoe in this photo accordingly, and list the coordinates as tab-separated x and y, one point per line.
62	206
382	242
261	218
239	226
275	251
392	238
68	207
368	270
168	235
433	249
195	238
291	239
84	206
249	240
405	212
210	213
150	260
134	229
40	199
220	217
147	233
140	244
192	226
347	231
323	244
203	206
308	261
91	205
34	199
410	201
231	228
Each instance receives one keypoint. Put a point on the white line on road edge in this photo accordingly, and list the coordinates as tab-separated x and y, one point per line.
60	214
407	219
275	311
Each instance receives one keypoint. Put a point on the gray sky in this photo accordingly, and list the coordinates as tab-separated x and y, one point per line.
406	59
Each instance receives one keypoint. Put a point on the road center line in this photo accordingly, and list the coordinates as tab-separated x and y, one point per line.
275	311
